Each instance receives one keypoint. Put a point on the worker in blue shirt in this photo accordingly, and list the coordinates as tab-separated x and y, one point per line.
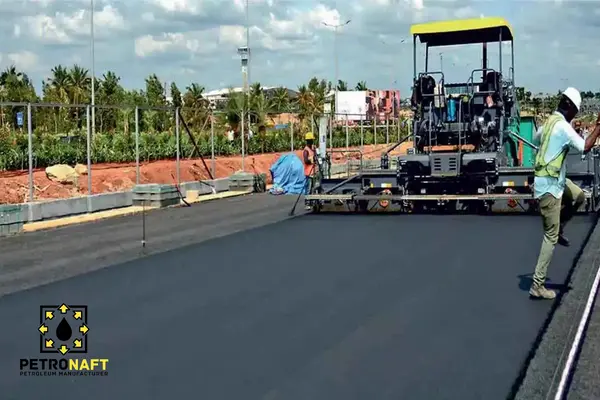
559	198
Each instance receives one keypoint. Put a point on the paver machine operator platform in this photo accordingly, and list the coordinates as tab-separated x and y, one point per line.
464	138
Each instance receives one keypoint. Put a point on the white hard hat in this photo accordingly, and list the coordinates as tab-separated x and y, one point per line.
574	96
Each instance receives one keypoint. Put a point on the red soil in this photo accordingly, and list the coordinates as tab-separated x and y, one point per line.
118	177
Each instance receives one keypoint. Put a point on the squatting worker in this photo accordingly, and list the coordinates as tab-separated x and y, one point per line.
559	198
309	161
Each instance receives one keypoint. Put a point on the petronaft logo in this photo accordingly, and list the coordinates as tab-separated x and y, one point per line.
64	335
63	329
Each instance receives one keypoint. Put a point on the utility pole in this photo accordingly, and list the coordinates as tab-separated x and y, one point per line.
93	68
335	55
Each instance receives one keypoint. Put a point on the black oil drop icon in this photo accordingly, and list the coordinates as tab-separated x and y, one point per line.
64	331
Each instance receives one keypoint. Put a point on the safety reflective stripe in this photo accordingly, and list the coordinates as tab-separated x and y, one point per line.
552	168
308	168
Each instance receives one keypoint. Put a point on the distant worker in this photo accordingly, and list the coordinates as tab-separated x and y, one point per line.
309	160
577	127
580	132
559	198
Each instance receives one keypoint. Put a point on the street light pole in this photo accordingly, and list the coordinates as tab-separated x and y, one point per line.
392	80
93	69
248	38
244	53
335	52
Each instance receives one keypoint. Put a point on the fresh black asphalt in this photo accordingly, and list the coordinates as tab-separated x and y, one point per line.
42	257
315	307
547	364
585	383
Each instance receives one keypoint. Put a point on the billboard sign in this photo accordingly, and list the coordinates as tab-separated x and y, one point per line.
368	105
351	105
382	104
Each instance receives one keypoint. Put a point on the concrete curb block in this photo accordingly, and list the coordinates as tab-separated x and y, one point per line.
119	212
45	210
79	206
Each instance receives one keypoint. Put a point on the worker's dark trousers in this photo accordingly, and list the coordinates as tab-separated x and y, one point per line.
555	215
309	186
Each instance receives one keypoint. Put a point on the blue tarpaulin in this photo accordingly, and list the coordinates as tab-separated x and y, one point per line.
288	175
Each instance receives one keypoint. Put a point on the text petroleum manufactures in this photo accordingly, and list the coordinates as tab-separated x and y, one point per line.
63	367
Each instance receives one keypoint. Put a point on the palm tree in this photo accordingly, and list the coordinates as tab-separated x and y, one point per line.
56	90
342	86
361	86
58	84
260	105
280	100
110	93
79	83
14	86
305	102
195	105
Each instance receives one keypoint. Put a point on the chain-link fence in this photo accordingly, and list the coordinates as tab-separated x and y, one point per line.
50	151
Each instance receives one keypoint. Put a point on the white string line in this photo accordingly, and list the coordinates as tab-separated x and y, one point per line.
577	340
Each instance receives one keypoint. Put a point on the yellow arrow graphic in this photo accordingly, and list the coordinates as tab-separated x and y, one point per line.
77	314
83	329
63	308
77	343
63	349
49	343
49	315
43	329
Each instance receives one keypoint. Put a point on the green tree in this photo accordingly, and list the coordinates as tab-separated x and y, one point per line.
155	119
15	86
342	86
176	96
361	86
110	92
195	106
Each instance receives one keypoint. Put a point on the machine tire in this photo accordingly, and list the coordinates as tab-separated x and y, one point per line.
362	206
316	208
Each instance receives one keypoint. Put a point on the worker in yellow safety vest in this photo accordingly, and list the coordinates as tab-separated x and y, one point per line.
309	159
559	198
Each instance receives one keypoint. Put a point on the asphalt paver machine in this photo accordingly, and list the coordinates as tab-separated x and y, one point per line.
466	139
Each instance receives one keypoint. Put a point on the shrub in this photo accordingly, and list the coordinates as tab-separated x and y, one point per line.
119	147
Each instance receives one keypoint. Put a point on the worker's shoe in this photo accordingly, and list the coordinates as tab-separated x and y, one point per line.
540	292
562	240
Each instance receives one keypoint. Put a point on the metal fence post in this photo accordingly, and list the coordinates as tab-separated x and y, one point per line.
387	130
331	118
30	151
347	134
243	141
212	145
89	152
375	130
362	135
292	134
177	144
137	145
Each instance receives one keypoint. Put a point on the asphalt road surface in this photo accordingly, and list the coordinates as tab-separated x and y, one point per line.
315	307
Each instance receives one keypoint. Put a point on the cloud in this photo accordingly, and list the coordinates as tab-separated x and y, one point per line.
65	28
291	41
24	60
